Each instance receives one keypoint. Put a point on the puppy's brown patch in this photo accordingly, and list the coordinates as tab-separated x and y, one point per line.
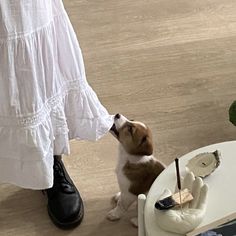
142	175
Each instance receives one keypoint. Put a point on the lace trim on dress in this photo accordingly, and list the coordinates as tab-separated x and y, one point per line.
36	119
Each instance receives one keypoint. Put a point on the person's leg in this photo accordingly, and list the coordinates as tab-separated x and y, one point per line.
65	206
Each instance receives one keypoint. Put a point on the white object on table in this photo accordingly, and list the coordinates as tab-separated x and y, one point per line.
184	220
221	194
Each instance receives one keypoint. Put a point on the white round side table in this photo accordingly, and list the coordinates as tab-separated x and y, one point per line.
221	194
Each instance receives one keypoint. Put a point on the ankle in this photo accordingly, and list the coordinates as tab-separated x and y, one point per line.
58	157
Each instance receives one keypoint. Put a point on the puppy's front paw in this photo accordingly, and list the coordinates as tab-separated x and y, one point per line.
134	222
115	199
113	215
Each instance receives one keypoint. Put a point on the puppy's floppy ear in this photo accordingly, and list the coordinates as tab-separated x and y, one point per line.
146	148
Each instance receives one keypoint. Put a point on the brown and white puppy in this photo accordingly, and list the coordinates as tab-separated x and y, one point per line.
137	168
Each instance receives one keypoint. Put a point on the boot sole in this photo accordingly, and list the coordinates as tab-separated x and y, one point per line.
68	225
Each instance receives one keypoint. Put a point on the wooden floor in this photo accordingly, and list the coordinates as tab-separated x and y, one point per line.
168	63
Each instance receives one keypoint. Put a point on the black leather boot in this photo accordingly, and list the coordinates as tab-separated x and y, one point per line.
65	206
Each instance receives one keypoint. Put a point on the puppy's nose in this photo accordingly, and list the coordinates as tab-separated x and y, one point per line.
117	116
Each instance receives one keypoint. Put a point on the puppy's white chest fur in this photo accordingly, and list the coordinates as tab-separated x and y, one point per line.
123	159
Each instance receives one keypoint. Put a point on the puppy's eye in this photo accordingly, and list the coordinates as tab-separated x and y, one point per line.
144	139
130	129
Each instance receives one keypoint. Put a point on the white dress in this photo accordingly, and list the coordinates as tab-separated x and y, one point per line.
45	99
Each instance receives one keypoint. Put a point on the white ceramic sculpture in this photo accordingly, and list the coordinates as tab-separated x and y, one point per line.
174	220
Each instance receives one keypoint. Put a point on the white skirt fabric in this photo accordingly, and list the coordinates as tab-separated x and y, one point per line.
45	99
